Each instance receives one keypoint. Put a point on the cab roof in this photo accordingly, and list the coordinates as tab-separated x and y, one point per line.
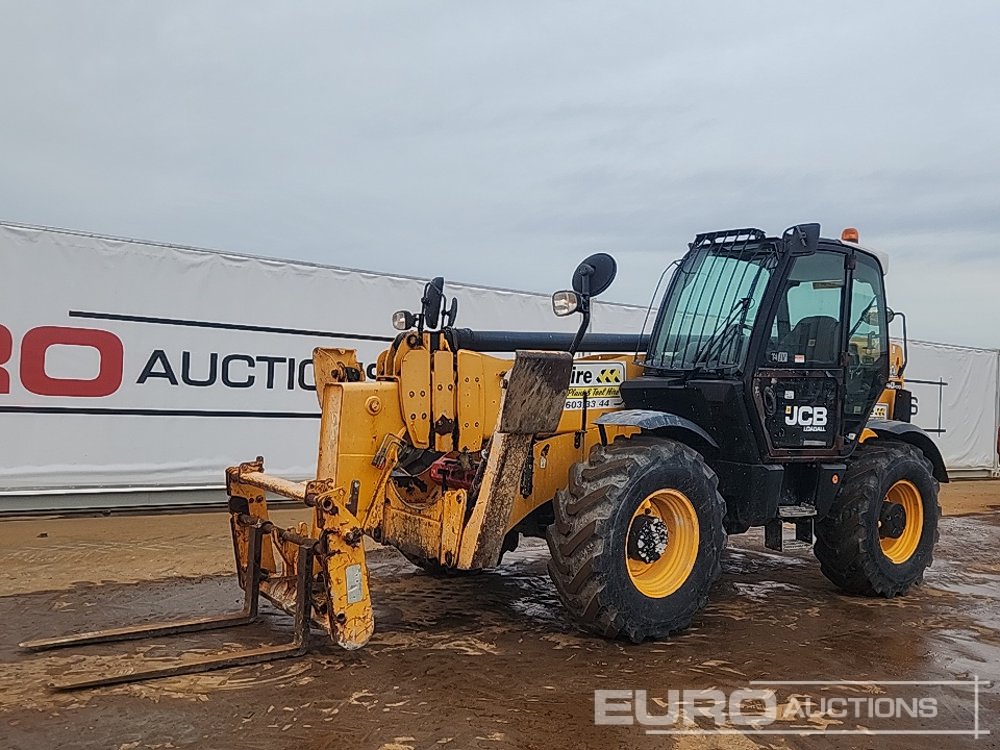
881	256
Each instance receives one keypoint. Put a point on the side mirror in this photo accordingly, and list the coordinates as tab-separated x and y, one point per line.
892	314
430	303
566	303
591	278
871	316
802	239
432	309
594	275
403	320
451	314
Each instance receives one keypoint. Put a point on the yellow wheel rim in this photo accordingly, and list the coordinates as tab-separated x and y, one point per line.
901	549
662	576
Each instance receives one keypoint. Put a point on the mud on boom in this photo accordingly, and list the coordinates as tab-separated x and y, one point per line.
748	405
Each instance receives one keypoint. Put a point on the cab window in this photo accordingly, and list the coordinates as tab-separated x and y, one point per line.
807	324
867	342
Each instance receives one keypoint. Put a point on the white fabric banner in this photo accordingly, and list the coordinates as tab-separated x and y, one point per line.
135	364
957	397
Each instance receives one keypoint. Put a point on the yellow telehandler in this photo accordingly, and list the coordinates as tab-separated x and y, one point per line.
749	404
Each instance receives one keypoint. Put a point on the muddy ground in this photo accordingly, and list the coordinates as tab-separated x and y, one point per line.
477	662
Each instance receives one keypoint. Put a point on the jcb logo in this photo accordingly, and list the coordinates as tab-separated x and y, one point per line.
806	416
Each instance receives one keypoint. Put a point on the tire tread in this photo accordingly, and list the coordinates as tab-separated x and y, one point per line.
842	537
584	513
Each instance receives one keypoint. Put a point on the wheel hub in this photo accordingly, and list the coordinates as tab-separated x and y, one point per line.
647	539
891	520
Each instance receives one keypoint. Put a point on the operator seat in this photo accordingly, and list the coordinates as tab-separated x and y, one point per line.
817	337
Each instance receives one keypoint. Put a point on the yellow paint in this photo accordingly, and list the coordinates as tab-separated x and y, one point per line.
479	381
350	618
415	395
901	549
665	575
367	426
257	508
421	387
443	398
552	457
896	382
452	520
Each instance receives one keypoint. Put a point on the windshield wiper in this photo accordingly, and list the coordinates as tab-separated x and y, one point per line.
722	333
861	318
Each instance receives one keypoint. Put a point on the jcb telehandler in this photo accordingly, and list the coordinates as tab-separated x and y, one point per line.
749	404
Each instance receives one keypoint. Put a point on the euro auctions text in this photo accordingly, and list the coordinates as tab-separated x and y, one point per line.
811	707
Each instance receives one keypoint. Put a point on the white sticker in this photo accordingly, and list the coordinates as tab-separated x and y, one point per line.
881	411
599	382
800	359
789	395
355	593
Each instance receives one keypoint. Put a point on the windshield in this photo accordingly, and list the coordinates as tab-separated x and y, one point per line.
710	307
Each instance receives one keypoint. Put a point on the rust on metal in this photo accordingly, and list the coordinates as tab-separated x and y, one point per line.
277	485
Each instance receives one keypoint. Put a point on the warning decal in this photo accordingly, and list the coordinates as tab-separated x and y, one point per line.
597	382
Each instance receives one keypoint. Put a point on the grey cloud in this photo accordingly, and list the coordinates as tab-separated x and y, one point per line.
499	143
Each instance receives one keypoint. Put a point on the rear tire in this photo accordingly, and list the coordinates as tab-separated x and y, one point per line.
848	544
596	564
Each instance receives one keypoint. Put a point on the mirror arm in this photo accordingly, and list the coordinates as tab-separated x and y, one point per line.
906	343
584	325
584	310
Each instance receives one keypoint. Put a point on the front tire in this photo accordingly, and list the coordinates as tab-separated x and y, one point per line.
879	536
638	537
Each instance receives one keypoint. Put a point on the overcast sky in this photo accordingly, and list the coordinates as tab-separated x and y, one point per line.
500	142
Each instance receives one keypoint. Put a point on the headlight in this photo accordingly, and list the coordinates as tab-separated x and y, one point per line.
565	303
403	320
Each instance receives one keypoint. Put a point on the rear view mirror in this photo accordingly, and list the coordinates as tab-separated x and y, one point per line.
403	320
565	303
801	239
431	301
594	275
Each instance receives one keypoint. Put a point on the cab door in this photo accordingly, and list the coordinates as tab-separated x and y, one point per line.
799	383
867	344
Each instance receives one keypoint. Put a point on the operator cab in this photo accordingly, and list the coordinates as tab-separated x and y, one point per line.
777	347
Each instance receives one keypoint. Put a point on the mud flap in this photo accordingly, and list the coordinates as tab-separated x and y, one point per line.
532	403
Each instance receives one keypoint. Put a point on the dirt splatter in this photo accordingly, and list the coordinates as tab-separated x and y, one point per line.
476	662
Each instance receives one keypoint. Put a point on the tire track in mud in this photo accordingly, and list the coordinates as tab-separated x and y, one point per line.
489	660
